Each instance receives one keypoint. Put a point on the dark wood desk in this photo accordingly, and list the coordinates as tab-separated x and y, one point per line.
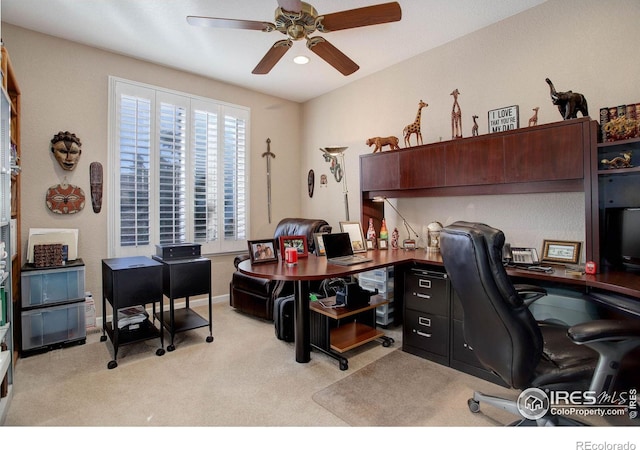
603	286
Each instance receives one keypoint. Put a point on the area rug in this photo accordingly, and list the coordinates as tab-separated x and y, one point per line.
401	389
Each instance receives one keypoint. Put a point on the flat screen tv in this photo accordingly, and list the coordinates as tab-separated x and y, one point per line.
622	237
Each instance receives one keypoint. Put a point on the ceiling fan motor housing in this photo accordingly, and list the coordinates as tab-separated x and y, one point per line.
296	25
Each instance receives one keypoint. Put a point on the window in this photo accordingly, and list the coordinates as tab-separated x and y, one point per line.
178	166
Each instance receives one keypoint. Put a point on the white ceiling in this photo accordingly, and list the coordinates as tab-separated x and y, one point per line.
157	31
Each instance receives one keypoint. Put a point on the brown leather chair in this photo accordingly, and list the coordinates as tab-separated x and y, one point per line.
255	296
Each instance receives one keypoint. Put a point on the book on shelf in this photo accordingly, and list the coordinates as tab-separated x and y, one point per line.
3	306
604	120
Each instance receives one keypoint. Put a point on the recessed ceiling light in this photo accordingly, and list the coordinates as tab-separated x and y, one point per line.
300	60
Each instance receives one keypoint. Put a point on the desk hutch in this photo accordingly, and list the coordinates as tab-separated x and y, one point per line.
558	157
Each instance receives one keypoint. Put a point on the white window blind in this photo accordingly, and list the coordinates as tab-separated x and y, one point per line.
179	170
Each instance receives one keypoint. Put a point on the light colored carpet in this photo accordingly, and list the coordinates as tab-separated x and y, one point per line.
244	378
401	389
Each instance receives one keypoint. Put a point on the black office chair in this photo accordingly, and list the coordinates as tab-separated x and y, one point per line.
507	339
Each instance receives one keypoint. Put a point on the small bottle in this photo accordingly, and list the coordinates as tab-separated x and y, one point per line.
371	233
384	233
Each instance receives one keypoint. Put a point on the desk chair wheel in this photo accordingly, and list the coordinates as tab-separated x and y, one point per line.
474	405
103	338
171	347
112	364
160	352
344	364
209	338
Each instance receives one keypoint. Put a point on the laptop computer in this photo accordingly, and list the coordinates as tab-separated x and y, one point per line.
337	247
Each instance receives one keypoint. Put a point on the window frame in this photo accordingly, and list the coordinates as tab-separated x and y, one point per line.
220	245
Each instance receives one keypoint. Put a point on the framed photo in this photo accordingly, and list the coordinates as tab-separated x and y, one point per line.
358	242
319	242
567	252
371	244
297	242
263	251
383	244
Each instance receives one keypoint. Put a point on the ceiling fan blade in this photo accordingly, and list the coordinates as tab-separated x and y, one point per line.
327	51
361	17
274	54
216	22
290	5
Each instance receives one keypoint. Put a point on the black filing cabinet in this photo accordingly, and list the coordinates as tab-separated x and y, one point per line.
127	282
433	320
426	328
462	356
183	278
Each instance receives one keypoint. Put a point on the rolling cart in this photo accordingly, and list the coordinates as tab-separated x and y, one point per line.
127	282
184	278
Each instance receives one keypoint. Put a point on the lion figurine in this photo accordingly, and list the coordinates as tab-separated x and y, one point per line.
380	142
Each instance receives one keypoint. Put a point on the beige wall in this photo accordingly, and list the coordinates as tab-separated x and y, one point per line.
64	87
581	45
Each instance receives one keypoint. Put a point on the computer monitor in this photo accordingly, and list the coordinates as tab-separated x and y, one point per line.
621	240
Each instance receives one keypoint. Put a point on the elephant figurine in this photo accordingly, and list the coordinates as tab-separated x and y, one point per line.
569	103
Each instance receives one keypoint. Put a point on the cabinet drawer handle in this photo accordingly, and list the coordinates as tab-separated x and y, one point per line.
424	321
419	295
423	334
424	283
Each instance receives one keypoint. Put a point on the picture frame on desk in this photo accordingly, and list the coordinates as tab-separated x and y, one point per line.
564	252
263	251
319	244
297	242
356	236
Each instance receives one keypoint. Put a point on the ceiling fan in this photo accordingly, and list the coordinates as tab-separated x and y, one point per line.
298	20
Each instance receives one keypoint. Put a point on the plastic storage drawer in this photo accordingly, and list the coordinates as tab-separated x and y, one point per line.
58	324
50	286
384	314
384	288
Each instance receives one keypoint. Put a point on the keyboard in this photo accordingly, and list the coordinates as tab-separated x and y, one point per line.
348	260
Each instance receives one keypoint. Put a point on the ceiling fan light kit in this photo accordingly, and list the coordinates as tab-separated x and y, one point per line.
298	20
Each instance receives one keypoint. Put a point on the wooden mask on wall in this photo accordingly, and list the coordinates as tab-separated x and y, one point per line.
66	148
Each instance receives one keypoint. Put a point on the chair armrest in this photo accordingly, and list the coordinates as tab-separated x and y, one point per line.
530	292
604	330
238	259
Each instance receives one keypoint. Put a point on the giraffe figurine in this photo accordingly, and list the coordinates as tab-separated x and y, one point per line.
533	120
456	116
474	129
414	128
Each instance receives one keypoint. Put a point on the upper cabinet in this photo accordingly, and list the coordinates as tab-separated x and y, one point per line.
380	172
546	153
545	158
555	157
